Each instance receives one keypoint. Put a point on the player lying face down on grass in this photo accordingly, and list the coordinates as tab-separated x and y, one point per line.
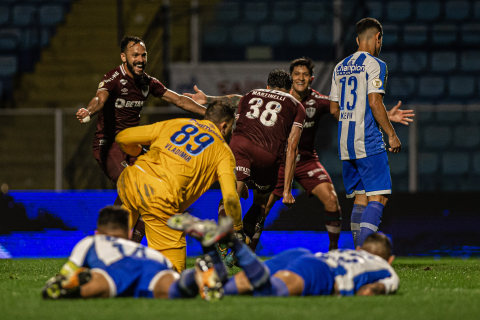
186	157
365	271
108	265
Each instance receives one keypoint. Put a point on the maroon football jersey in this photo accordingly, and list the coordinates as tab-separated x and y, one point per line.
125	101
316	105
266	117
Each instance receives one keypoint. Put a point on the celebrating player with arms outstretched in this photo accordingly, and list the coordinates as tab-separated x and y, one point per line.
358	86
186	157
118	102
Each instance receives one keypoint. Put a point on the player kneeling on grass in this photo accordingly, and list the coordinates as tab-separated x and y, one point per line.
365	271
108	265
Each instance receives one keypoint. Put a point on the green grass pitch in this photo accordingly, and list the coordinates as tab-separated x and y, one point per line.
444	289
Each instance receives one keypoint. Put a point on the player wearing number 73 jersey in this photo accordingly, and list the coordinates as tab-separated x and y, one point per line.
186	157
358	86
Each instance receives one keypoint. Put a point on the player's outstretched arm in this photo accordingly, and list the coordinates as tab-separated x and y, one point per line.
371	289
202	98
83	114
132	139
335	109
399	115
380	113
290	164
184	102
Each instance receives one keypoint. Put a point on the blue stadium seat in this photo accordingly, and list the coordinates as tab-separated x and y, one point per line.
10	40
398	163
8	66
469	61
300	34
316	12
391	59
243	34
450	117
444	33
1	90
255	11
435	137
431	87
390	35
461	86
324	34
399	10
24	15
444	61
476	162
271	34
284	11
414	62
51	15
471	33
457	10
427	10
227	11
474	116
215	35
375	9
4	15
455	163
427	163
467	136
401	87
415	34
476	10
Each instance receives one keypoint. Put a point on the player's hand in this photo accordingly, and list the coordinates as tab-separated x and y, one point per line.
244	194
83	115
399	115
395	144
288	199
198	97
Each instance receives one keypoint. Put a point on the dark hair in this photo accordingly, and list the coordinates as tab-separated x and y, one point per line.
220	111
367	23
278	78
379	244
303	61
113	217
125	41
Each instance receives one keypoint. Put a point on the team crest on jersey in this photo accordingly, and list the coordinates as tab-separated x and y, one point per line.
101	84
310	111
145	90
377	83
123	82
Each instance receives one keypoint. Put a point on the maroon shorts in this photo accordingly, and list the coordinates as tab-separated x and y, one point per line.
111	159
255	164
308	173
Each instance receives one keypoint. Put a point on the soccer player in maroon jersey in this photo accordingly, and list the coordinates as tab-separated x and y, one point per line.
118	102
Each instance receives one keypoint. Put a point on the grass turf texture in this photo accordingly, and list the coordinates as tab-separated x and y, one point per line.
444	289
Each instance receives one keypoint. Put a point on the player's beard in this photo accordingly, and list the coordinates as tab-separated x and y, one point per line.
131	68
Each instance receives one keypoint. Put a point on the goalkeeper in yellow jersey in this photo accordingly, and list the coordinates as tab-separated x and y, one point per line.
186	157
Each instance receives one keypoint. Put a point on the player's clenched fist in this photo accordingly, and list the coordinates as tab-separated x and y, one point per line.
83	115
288	199
395	144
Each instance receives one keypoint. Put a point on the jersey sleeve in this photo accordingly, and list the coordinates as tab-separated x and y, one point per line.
300	117
334	89
376	76
108	82
391	283
158	89
80	251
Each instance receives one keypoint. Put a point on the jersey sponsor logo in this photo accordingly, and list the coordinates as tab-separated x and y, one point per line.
310	111
346	70
309	124
101	84
245	171
123	82
312	172
116	74
120	103
124	91
322	177
377	83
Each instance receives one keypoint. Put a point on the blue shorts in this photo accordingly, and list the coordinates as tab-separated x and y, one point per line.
317	276
284	258
370	176
133	277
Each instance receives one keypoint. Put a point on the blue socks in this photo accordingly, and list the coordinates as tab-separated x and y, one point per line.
254	269
355	221
371	218
220	267
185	287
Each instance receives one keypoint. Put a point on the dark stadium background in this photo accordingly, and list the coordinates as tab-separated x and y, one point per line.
53	54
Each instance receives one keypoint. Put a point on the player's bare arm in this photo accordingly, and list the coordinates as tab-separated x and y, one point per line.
335	109
132	139
380	114
183	102
371	289
399	115
201	98
290	164
95	105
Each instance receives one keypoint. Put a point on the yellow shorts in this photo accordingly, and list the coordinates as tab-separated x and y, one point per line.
145	195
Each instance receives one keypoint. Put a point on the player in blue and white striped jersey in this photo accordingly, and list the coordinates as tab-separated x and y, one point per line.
358	87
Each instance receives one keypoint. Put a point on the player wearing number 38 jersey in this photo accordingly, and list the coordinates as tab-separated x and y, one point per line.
186	157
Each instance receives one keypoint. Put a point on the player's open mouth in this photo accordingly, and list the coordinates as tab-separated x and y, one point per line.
139	67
